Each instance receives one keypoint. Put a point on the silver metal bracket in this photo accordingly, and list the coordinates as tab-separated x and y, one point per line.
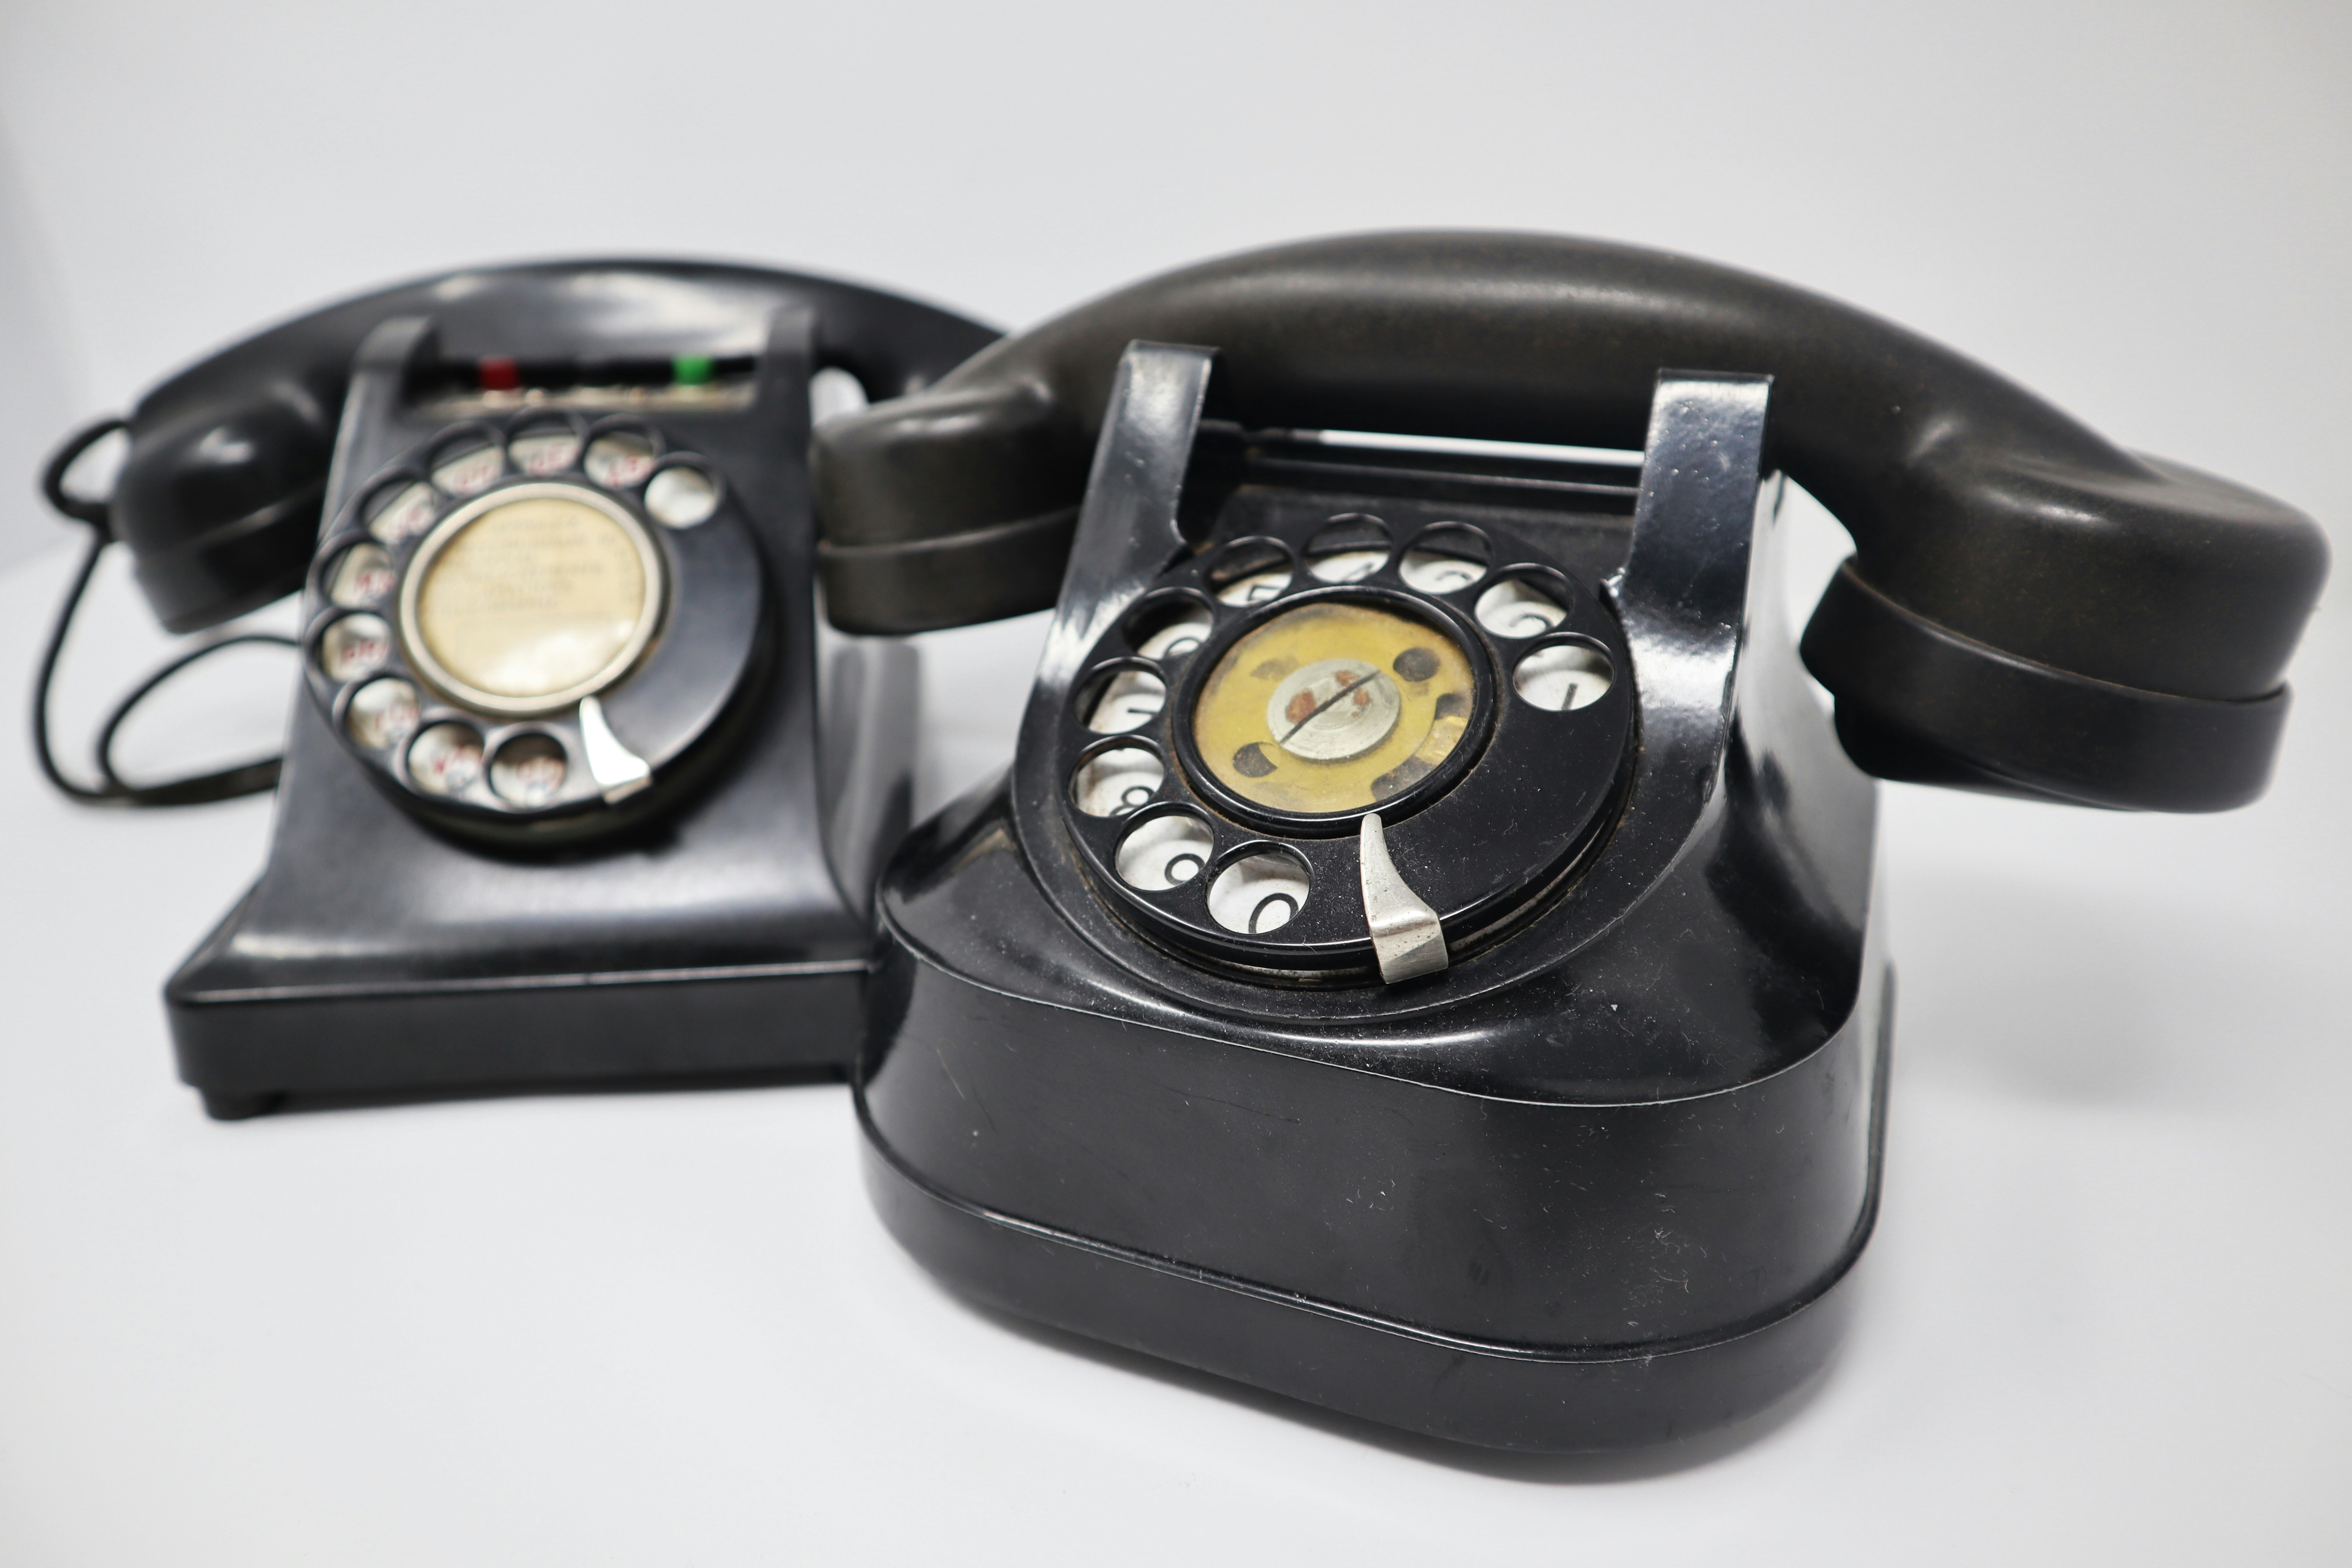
1406	937
619	772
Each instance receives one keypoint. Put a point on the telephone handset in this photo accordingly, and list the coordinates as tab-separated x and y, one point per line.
2030	609
565	802
1425	958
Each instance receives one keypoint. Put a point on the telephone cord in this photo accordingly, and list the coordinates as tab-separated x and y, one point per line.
228	784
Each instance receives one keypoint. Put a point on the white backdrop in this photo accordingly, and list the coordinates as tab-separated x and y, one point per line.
2104	1313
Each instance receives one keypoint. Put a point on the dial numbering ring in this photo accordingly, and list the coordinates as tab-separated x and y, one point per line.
517	647
1236	726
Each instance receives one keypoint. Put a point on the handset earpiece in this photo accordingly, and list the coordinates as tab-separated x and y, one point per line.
219	504
2030	609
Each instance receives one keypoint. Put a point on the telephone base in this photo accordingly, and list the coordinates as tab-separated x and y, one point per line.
563	1033
1443	1241
1495	1396
713	928
379	960
240	1107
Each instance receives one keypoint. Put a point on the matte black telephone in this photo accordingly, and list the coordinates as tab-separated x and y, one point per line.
1424	957
561	805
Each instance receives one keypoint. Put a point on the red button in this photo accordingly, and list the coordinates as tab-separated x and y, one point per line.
498	373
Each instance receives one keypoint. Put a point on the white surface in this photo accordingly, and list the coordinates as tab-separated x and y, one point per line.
37	397
2103	1312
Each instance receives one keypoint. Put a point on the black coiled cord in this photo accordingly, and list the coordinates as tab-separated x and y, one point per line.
245	778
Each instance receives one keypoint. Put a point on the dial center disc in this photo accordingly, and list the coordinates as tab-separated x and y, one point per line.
1333	707
528	603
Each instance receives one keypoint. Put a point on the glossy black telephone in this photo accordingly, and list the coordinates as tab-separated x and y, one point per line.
564	805
1424	957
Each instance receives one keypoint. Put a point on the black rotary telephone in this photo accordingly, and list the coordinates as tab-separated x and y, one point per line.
564	805
1425	958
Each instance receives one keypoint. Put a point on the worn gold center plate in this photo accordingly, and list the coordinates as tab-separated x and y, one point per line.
1333	707
529	603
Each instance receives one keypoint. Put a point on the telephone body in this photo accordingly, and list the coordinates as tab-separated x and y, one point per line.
564	799
1425	958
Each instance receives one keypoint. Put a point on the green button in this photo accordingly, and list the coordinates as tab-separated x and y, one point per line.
690	370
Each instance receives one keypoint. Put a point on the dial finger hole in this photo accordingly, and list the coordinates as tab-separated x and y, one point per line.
1252	571
1563	677
399	512
1514	608
467	465
619	460
383	714
1118	782
1348	548
354	646
682	495
544	449
1171	629
1124	700
529	770
1258	893
362	575
445	759
1348	565
1445	557
1163	853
